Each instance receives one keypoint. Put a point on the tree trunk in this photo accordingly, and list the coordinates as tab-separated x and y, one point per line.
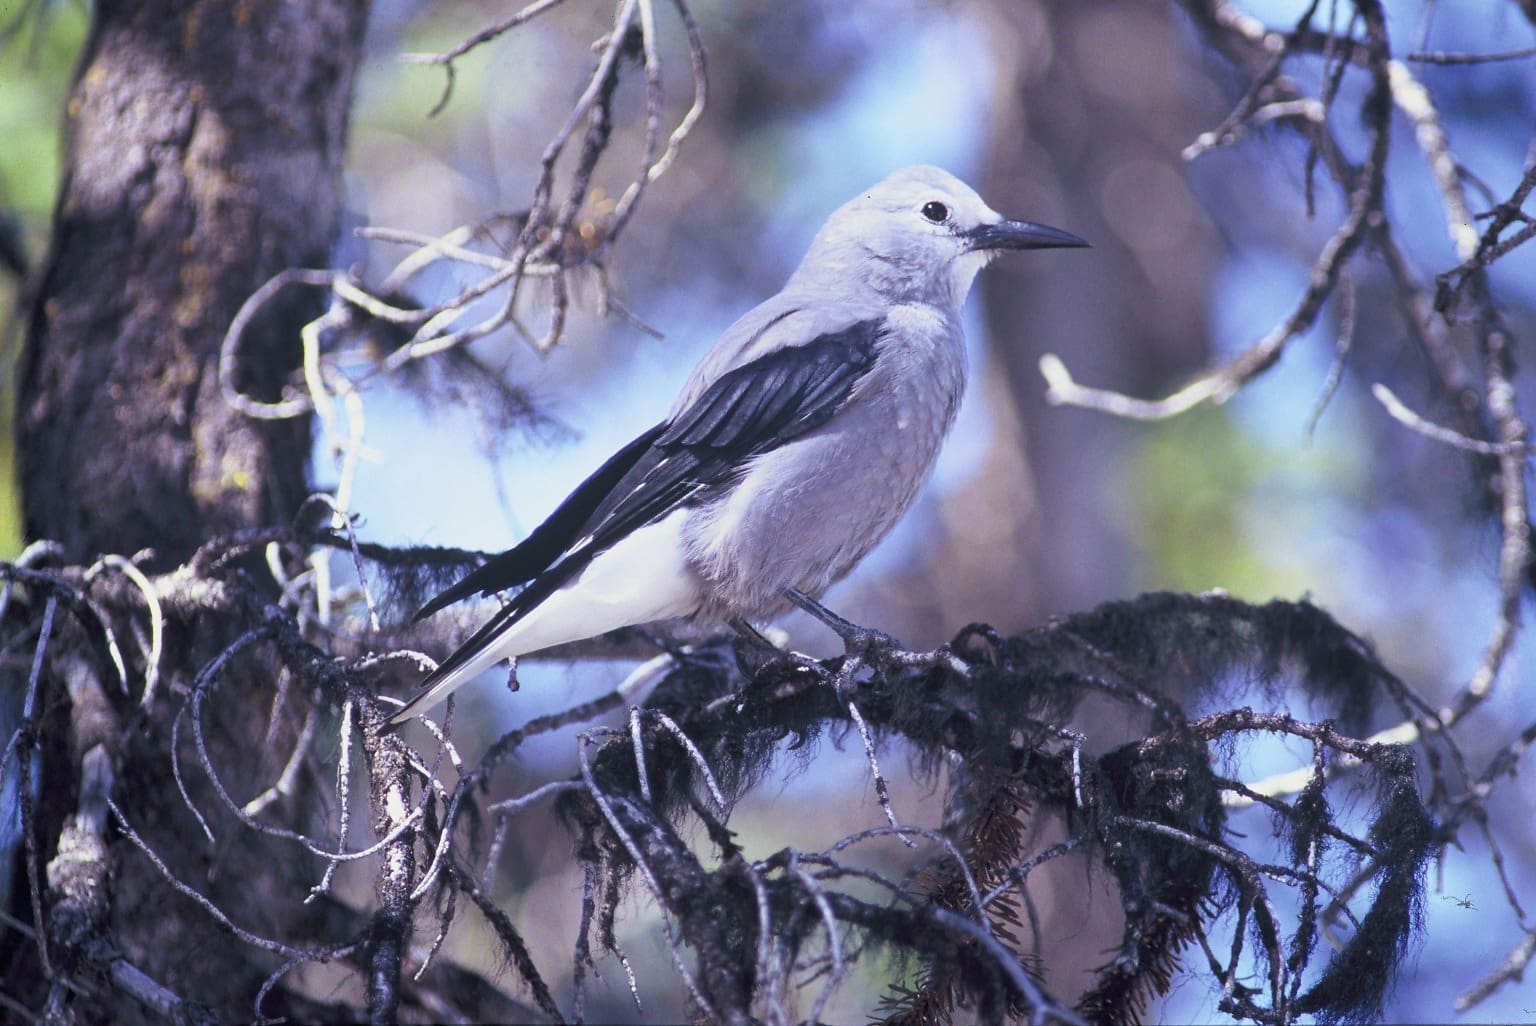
204	155
205	147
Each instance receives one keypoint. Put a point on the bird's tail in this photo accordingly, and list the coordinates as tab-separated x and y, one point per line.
644	577
478	654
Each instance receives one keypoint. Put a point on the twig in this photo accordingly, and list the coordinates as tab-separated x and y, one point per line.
1341	353
637	742
255	940
605	806
512	806
322	954
282	787
1455	57
446	58
344	800
1405	416
156	621
834	937
1512	970
510	939
22	746
699	761
882	790
229	352
200	689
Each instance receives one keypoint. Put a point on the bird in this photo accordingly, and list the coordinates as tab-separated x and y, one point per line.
798	440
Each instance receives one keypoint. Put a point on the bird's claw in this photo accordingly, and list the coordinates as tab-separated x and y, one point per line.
868	642
865	643
863	647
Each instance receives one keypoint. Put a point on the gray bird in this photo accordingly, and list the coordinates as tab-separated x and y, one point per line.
796	444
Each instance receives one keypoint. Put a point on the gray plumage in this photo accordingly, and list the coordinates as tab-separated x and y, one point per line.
795	445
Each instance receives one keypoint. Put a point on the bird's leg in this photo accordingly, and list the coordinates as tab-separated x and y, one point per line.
752	635
754	649
865	643
861	645
855	638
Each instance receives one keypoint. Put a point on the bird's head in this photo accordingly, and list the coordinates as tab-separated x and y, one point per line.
921	234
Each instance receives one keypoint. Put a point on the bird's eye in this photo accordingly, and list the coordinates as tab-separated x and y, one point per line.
935	211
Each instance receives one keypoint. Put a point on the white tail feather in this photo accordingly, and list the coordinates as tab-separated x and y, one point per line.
642	578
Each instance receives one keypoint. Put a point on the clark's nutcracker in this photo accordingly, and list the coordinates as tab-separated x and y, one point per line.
796	444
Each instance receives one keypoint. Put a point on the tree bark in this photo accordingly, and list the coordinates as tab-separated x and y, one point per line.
205	144
204	155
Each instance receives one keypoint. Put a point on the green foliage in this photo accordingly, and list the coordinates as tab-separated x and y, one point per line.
1207	493
37	53
38	46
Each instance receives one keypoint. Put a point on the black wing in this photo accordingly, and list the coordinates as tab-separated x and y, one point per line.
535	553
748	411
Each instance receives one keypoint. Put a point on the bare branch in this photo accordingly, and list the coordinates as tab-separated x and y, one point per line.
1403	415
1444	57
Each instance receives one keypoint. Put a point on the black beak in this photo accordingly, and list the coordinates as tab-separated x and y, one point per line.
1021	235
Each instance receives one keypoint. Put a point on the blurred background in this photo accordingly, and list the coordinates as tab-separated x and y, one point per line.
1075	114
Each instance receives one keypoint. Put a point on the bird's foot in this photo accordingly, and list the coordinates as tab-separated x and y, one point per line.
865	646
754	650
862	641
